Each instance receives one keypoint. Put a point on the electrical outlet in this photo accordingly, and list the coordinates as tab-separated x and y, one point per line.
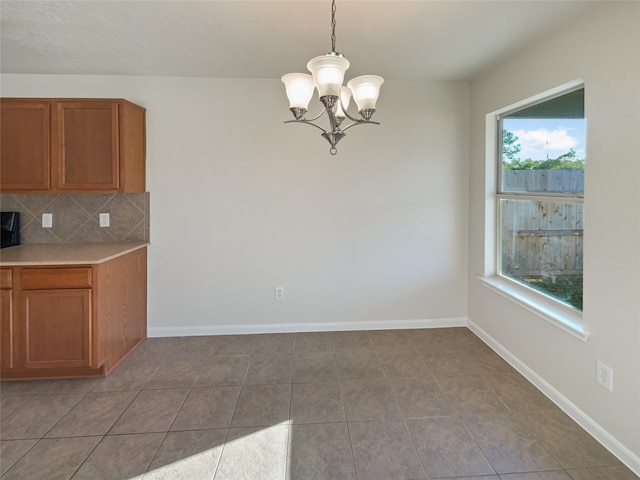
279	293
104	219
47	220
604	375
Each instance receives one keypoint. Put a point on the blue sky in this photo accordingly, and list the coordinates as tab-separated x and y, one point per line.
539	137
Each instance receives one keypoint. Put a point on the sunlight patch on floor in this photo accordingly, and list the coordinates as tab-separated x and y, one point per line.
249	453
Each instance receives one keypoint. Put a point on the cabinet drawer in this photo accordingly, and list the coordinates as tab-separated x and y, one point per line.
5	279
45	278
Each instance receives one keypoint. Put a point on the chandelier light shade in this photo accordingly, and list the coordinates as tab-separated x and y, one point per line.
345	99
328	73
366	90
327	77
300	88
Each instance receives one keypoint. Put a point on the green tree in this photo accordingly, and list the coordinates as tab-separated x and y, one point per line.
510	160
570	155
560	163
509	146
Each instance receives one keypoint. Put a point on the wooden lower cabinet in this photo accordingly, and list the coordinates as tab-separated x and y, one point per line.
6	320
76	321
57	328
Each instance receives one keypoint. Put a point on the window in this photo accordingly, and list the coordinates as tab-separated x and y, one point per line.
540	197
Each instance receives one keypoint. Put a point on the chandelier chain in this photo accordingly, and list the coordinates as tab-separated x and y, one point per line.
333	25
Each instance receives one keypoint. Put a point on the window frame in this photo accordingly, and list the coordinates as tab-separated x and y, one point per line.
558	313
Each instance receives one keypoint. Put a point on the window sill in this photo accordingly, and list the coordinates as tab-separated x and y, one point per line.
565	319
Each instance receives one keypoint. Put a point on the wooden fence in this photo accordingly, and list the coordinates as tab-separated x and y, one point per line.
542	238
565	181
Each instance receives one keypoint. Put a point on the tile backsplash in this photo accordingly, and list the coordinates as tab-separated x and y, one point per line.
76	217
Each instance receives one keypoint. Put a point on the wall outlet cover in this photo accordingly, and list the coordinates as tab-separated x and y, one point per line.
47	220
604	375
104	220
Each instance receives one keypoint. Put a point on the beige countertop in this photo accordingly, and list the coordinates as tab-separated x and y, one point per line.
65	254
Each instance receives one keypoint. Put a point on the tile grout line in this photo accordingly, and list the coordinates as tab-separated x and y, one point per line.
415	448
65	415
224	445
164	438
87	457
43	437
235	409
353	456
470	433
287	463
21	456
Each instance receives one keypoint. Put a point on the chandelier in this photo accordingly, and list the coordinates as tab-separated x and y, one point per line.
327	75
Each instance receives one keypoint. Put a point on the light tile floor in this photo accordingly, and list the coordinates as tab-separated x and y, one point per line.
387	405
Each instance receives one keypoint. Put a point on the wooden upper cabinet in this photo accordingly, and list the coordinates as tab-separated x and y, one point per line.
24	145
85	145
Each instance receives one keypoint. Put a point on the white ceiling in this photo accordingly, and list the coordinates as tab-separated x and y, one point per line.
449	40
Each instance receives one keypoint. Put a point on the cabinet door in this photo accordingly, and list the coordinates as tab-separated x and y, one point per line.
24	149
6	319
86	145
57	327
6	329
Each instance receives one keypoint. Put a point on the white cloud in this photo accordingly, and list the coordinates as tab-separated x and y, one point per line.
536	144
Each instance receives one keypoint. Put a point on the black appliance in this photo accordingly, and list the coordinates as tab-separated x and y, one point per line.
10	229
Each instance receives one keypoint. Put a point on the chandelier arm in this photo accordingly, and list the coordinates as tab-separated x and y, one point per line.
334	123
350	117
317	117
359	122
307	122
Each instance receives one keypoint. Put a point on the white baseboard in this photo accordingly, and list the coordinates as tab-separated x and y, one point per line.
187	331
626	456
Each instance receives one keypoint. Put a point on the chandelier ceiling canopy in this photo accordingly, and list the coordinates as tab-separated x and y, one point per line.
327	76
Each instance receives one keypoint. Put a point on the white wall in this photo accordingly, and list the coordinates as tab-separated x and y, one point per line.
241	203
603	48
